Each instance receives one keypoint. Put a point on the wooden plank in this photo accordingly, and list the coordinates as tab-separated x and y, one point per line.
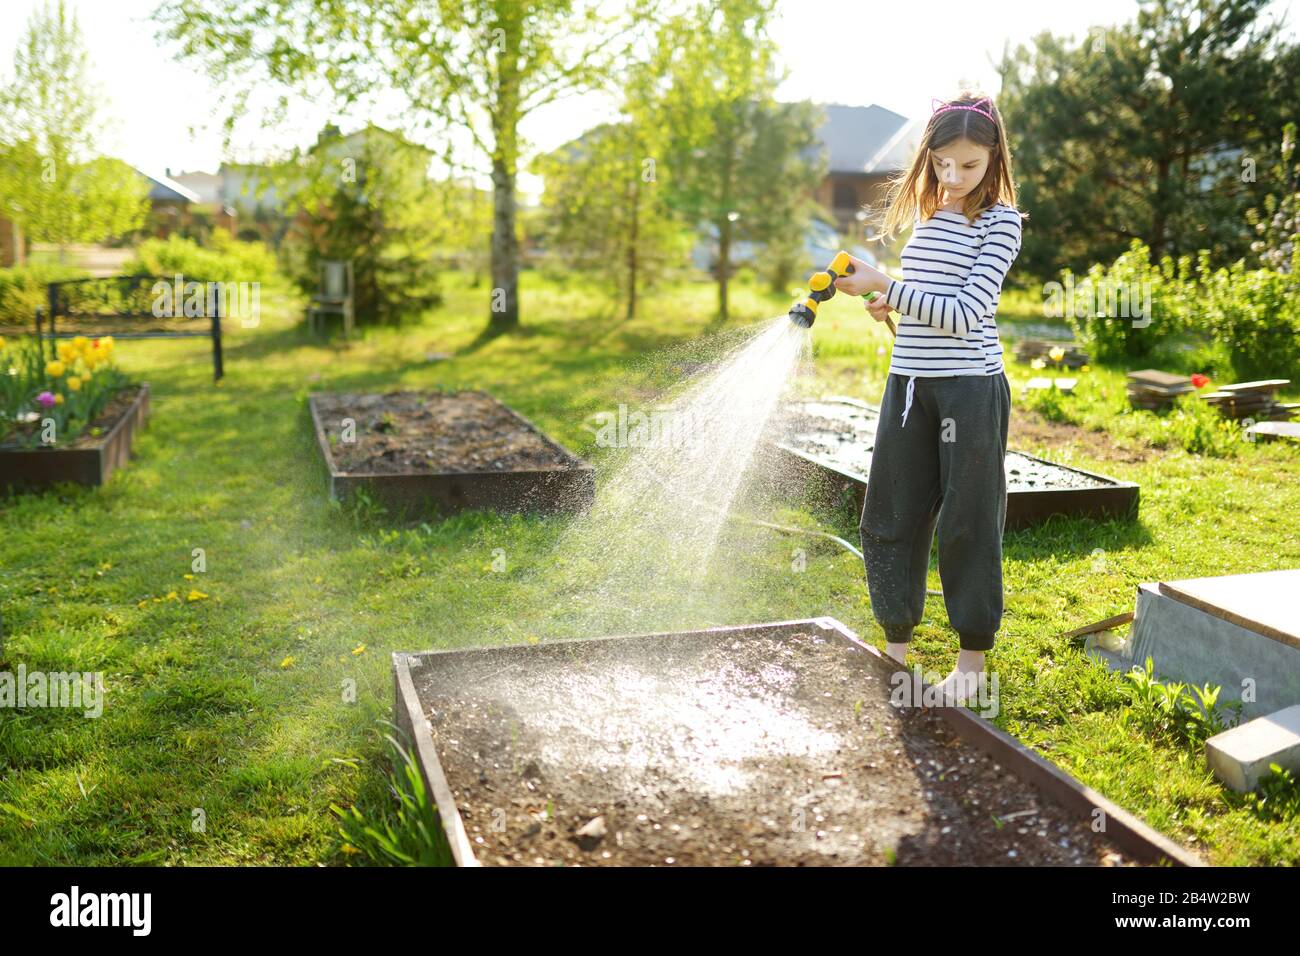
1264	602
1276	429
1103	625
1266	385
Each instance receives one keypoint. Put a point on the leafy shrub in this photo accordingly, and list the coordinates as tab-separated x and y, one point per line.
1255	315
1124	311
23	289
224	260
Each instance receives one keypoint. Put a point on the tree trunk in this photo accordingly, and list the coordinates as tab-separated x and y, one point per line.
505	250
724	265
632	249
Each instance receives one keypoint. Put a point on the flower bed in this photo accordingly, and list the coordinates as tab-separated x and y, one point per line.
71	418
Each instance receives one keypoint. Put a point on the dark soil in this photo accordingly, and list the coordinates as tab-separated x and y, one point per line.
773	748
1029	429
843	436
434	432
94	434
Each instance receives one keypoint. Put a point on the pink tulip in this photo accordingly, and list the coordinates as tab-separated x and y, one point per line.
46	399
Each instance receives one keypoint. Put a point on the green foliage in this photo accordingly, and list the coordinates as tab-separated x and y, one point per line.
1254	314
1278	224
223	260
23	289
53	184
1140	130
1251	316
478	68
1125	310
368	200
1051	403
1200	429
405	833
605	212
1170	712
737	161
75	388
1277	798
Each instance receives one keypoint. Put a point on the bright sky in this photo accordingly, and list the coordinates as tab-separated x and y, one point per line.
842	51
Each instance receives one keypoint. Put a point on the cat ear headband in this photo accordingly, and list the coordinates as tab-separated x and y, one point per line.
939	106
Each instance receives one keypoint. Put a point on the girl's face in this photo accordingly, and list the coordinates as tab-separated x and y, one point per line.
960	166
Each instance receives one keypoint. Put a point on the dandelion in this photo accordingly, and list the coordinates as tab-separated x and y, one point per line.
195	595
287	663
358	650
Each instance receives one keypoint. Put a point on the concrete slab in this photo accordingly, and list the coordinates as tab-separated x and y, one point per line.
1265	602
1240	757
1199	645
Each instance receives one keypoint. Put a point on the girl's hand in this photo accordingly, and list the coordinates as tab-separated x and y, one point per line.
864	279
879	309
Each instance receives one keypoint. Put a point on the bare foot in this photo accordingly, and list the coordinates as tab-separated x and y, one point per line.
962	683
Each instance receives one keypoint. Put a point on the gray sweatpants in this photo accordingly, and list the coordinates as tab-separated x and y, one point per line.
945	467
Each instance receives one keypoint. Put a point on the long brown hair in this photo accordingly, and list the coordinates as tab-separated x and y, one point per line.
916	192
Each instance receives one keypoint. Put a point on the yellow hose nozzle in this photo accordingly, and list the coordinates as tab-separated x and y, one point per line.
821	287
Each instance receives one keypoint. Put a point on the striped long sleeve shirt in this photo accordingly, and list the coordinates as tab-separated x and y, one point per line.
948	296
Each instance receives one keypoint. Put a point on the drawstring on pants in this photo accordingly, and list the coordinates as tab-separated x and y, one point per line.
907	402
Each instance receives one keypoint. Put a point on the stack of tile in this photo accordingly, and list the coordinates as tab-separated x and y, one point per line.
1257	400
1153	389
1027	350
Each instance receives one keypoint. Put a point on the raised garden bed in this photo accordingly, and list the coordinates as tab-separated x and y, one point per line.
445	452
89	458
828	445
771	744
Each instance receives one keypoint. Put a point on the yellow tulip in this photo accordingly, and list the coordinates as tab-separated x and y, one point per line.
74	384
1057	354
2	343
80	343
54	369
58	399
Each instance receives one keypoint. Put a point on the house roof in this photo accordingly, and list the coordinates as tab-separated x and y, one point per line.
164	188
865	139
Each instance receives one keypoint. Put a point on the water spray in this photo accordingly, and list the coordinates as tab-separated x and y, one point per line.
821	286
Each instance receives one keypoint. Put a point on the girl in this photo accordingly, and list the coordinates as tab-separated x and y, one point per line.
942	436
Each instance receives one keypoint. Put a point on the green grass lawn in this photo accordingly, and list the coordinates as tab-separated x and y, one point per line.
235	710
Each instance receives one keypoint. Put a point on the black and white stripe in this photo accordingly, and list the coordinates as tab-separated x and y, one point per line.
948	297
